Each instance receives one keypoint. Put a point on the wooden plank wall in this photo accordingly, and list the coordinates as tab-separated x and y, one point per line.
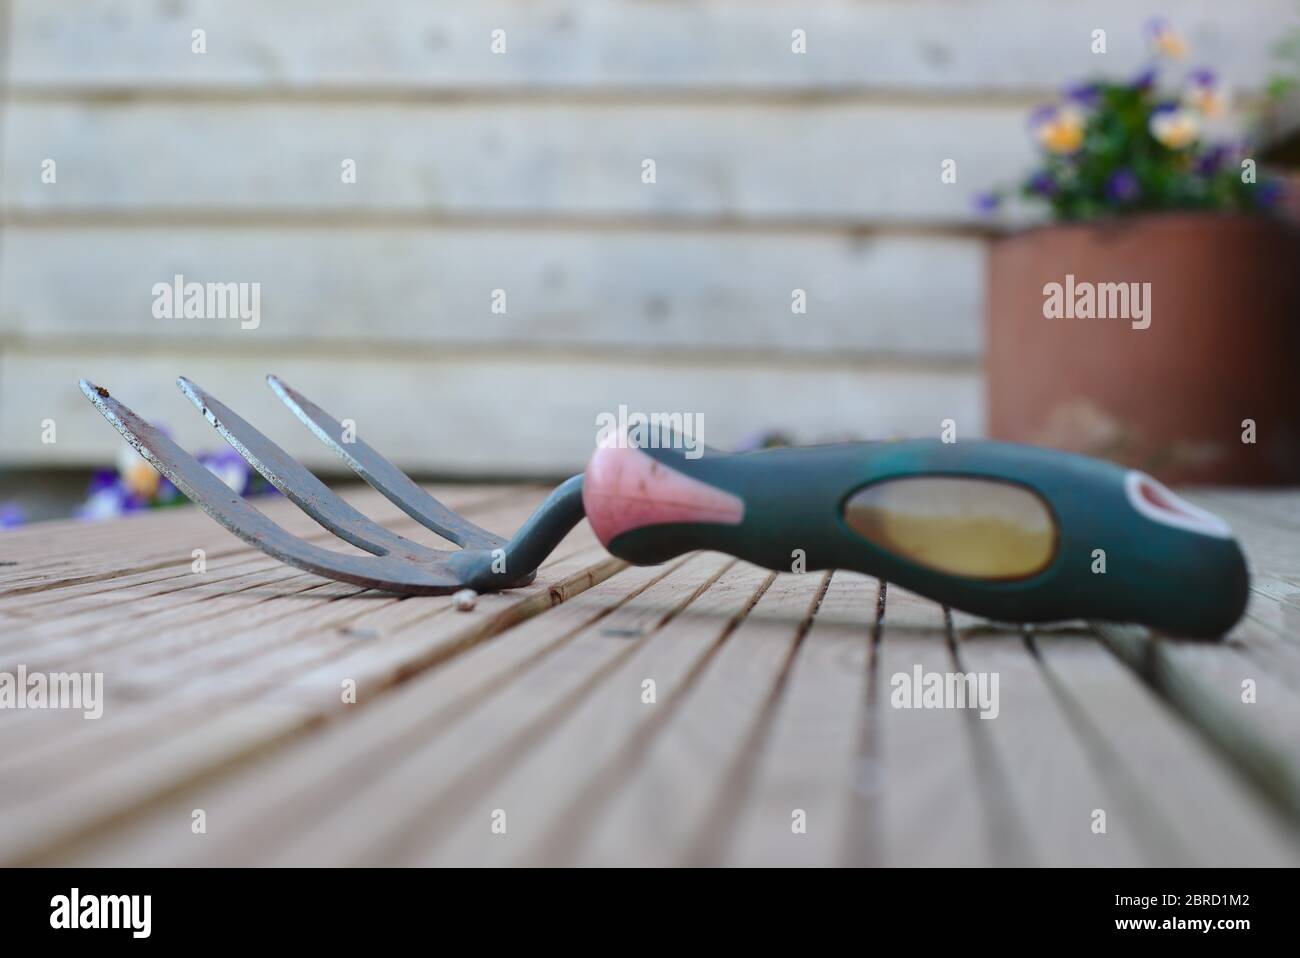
522	172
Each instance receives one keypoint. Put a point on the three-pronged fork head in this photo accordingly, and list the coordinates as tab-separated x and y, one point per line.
485	561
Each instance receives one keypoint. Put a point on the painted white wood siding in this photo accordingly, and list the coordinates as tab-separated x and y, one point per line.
522	172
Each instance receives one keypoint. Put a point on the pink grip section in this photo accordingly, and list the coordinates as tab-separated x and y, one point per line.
623	489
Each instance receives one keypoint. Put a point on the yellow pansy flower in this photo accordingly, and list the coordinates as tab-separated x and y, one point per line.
1176	128
1061	131
137	476
1166	41
1206	94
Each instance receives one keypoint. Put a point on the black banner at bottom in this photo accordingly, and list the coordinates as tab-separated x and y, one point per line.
1224	908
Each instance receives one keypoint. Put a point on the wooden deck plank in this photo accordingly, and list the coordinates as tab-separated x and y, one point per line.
136	668
73	553
79	608
317	625
1256	730
672	806
401	642
129	649
560	786
103	793
1268	526
773	694
1215	817
444	781
1053	778
928	795
1244	694
41	800
593	677
798	805
56	541
66	746
328	776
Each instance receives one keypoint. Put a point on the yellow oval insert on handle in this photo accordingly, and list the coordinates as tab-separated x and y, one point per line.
971	527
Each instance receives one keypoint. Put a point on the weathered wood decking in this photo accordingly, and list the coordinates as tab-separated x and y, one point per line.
224	693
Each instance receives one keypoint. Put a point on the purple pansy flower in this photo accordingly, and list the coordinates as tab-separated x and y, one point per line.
1123	186
108	502
1268	194
1042	114
1085	94
228	466
106	497
11	515
1155	27
101	479
167	492
1042	184
1144	80
1212	160
986	204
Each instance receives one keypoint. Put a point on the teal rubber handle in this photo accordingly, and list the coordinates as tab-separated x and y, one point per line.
1123	548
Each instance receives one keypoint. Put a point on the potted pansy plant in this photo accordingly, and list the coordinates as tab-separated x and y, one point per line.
1155	318
135	486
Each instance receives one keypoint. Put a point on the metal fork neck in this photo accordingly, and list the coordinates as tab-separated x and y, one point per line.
535	540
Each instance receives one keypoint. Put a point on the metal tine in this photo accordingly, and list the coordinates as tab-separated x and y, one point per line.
192	478
400	489
298	484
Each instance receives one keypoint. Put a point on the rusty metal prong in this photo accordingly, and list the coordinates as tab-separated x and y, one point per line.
393	573
298	484
396	485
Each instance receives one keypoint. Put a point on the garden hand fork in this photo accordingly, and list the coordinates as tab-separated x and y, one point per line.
1013	533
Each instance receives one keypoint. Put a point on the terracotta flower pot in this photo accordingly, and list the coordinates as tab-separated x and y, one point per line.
1221	344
